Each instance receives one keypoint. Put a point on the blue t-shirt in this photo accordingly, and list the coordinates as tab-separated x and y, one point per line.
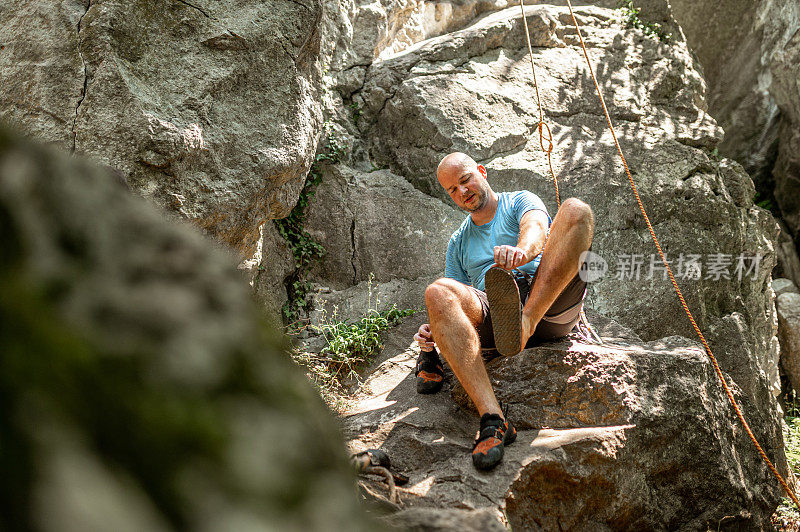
470	252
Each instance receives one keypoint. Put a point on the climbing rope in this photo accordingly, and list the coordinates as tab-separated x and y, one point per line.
711	356
542	124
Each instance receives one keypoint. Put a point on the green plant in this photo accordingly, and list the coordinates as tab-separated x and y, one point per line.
631	16
765	202
348	347
351	344
305	249
356	109
786	517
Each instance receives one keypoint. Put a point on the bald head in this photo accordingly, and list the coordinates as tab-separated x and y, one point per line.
465	181
454	164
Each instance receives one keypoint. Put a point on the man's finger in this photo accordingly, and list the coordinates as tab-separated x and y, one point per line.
509	257
517	258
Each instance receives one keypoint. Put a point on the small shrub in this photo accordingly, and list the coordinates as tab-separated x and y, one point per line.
787	517
356	343
349	346
631	17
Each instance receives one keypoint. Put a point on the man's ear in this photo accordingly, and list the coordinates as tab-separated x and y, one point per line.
482	170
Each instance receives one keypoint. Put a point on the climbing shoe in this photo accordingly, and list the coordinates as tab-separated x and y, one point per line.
429	372
495	432
502	294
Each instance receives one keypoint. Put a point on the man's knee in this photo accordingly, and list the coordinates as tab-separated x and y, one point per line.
442	295
577	212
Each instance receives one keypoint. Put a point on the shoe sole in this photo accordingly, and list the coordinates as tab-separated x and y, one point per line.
425	387
502	293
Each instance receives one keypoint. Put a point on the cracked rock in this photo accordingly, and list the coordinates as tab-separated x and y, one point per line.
376	223
624	436
217	102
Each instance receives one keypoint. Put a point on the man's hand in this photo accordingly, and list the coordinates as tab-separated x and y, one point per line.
510	257
424	337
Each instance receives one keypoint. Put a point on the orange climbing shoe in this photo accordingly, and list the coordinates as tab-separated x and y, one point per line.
429	372
494	434
502	294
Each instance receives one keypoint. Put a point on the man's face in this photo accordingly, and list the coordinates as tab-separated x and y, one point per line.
466	185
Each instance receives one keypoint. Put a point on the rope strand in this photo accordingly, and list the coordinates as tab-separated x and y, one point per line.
542	124
711	356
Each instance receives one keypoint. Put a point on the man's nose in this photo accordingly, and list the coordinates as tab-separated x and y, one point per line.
463	189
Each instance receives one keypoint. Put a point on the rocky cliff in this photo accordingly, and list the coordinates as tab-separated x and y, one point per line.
749	52
471	90
214	110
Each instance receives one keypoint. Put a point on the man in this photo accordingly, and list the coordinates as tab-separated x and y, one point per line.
503	232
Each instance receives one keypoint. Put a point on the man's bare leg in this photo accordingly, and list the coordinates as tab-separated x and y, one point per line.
454	311
571	234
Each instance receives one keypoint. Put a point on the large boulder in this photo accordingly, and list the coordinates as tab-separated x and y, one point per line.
41	69
737	98
624	436
141	389
787	304
210	109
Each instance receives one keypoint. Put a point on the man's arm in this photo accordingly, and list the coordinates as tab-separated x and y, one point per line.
532	235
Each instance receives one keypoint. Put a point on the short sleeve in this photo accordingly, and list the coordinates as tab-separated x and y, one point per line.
453	268
525	201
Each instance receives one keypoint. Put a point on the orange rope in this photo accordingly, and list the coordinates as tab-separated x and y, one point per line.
669	270
542	124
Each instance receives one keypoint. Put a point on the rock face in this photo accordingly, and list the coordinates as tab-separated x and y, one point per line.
268	269
737	97
377	223
471	90
787	304
624	436
141	390
210	109
750	52
40	67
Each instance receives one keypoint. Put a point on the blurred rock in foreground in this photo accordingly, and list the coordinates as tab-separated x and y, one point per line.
140	389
